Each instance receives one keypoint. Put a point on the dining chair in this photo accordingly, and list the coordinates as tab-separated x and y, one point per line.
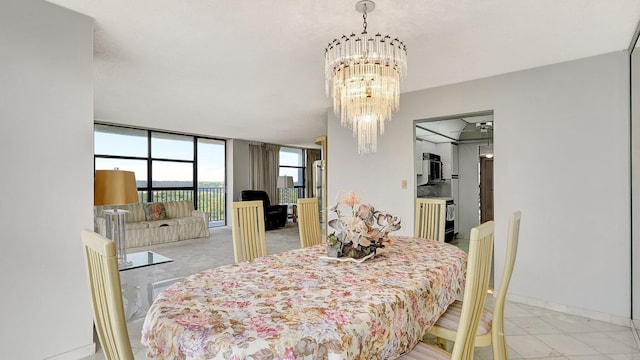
477	282
491	328
309	222
247	218
106	296
430	218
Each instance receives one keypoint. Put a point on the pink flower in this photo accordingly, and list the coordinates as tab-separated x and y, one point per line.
244	304
191	319
336	317
350	199
363	241
355	228
259	325
359	228
227	285
289	354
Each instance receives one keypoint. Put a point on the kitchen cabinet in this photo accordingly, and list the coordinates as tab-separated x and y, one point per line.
421	148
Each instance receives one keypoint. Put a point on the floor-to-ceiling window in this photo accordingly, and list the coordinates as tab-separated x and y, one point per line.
211	170
167	166
292	164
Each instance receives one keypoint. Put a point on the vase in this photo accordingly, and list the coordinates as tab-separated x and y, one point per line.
348	251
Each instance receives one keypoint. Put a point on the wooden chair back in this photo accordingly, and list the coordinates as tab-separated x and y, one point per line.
106	295
497	327
309	222
247	218
475	291
491	329
430	217
475	294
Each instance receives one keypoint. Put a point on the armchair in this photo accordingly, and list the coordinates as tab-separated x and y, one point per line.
275	216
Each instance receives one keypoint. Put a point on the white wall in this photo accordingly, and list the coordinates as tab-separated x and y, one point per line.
555	127
425	146
46	132
468	215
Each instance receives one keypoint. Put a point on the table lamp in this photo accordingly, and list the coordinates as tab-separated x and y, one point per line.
286	183
116	187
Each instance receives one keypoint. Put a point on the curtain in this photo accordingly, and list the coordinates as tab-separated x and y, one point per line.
312	155
271	170
256	173
264	168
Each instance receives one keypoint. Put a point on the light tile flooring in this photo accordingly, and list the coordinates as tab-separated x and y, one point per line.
532	332
536	333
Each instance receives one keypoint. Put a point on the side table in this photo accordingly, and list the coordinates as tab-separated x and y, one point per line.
292	212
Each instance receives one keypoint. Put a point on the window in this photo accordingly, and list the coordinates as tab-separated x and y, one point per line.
171	146
120	141
168	167
292	164
211	175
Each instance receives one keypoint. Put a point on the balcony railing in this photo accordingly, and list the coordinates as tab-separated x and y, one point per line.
210	200
291	195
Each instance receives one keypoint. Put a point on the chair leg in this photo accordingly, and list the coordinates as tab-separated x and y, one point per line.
499	346
444	344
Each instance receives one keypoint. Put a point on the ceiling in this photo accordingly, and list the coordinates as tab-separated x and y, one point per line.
254	69
457	129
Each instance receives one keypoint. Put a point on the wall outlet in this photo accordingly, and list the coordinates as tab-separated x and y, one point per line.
404	184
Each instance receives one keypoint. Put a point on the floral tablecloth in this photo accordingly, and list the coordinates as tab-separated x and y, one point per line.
296	305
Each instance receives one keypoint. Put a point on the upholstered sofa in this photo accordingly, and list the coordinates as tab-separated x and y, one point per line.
156	223
275	216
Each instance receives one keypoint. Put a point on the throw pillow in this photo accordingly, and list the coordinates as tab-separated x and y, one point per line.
155	211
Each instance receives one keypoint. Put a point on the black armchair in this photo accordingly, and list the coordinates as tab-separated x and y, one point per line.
275	216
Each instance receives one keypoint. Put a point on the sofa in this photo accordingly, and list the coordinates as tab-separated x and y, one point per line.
275	216
156	222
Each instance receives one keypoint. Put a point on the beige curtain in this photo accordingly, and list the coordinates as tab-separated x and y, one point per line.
271	171
264	168
256	173
312	155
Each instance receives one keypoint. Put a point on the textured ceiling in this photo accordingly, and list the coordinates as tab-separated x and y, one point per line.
253	69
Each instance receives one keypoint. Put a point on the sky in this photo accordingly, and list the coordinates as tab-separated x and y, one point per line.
211	156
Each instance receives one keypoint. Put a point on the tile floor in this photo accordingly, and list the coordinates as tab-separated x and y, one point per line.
532	332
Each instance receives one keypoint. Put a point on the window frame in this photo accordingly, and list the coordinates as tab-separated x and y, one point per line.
148	191
300	189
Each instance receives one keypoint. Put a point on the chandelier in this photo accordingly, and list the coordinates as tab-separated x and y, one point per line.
363	75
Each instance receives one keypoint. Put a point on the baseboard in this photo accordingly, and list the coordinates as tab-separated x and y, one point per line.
634	330
76	354
572	310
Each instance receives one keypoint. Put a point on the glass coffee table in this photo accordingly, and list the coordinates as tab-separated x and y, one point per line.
136	278
141	259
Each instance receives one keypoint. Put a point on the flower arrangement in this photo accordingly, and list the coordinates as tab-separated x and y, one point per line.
359	229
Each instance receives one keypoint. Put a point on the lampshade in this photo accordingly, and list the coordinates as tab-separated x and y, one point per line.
285	182
115	187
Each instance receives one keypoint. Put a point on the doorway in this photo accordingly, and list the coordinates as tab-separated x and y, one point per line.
486	188
461	142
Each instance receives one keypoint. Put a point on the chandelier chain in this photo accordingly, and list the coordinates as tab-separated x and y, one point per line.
364	19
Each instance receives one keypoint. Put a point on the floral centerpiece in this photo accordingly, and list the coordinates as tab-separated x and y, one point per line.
359	229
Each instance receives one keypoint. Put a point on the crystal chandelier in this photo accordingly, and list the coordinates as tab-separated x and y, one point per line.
363	74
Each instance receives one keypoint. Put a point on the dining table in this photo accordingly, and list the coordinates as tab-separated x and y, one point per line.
301	304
